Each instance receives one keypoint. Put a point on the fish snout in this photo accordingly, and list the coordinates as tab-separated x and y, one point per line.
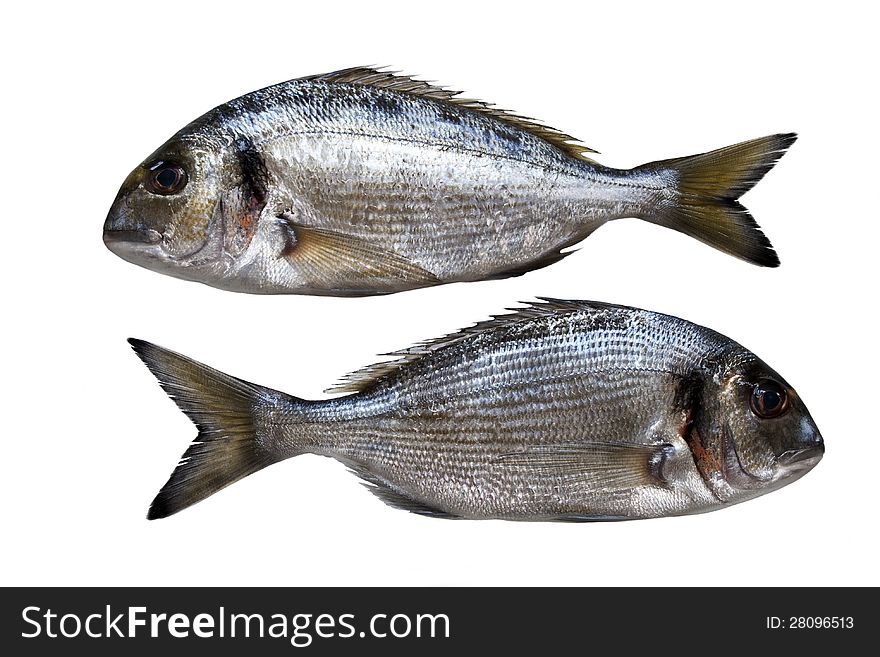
121	227
806	454
130	239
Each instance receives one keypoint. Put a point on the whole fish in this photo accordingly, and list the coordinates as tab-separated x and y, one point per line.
363	182
564	410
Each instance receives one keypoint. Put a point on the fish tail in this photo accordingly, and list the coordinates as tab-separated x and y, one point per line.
707	187
231	443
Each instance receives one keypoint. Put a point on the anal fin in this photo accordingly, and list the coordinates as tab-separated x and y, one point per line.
544	260
578	518
532	265
396	498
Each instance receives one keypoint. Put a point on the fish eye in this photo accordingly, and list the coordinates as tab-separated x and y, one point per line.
769	399
165	178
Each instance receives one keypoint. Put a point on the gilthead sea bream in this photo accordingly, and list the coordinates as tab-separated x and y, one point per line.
363	182
564	410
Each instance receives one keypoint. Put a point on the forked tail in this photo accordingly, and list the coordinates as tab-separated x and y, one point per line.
230	445
708	187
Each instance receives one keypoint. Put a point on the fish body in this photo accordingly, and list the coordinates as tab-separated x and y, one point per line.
561	411
361	182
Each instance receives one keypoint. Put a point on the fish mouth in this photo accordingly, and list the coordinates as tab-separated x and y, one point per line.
132	236
139	247
802	459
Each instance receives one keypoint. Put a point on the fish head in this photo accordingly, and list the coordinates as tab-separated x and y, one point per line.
749	431
755	427
168	214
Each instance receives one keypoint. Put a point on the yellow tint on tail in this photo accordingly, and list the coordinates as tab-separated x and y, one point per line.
708	187
223	409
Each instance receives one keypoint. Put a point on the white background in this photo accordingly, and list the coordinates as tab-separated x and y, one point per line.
88	437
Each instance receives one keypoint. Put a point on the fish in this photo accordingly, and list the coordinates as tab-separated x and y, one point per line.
362	182
558	411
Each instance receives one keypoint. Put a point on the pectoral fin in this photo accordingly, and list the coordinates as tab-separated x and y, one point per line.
345	263
600	466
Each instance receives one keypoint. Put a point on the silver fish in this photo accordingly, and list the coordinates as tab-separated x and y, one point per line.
563	410
363	182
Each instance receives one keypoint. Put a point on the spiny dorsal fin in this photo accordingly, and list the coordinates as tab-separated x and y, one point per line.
391	80
364	378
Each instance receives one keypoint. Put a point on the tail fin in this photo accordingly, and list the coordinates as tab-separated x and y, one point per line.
222	407
708	188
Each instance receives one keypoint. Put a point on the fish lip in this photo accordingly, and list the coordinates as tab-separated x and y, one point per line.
806	456
149	236
135	247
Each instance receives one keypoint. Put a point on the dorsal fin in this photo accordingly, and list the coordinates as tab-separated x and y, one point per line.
364	378
391	80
